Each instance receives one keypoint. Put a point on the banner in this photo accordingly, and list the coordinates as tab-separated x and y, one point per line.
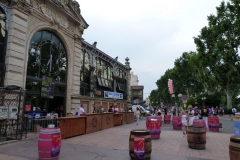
113	95
47	90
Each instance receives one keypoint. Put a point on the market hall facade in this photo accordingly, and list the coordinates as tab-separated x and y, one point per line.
43	52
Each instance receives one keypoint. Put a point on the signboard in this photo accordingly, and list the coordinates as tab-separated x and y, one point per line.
47	90
113	95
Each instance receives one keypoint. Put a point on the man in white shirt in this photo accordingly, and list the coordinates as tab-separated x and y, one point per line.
81	110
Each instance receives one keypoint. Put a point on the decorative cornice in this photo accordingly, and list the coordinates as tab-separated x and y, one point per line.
22	5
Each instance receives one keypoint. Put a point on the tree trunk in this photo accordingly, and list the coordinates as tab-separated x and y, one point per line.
229	99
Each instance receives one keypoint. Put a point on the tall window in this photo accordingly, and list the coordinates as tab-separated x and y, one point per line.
3	40
121	82
85	74
104	75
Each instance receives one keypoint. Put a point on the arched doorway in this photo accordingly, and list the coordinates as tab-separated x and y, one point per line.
46	74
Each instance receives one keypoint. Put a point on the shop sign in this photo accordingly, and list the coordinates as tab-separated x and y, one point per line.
113	95
47	90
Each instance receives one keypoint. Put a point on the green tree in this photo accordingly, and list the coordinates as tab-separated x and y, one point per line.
217	47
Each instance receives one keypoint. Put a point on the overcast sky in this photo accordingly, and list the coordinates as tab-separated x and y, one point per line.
152	33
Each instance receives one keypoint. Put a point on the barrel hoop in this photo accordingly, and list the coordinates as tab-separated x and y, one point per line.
196	142
52	158
146	139
237	145
148	152
236	140
46	140
49	132
196	132
146	132
234	148
44	152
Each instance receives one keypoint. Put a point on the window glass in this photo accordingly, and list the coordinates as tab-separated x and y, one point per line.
46	35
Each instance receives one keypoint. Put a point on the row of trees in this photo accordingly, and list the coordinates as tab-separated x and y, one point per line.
213	70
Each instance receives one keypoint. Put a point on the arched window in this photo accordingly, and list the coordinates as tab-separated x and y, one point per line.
3	40
47	57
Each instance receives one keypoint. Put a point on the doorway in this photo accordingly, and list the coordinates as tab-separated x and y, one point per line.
56	105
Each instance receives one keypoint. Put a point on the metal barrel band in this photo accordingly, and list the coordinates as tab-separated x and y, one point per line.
145	140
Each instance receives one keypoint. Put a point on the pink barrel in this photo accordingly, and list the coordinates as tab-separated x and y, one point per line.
199	122
49	143
177	122
159	118
213	123
153	124
167	119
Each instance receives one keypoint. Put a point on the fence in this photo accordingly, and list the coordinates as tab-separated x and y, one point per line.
35	124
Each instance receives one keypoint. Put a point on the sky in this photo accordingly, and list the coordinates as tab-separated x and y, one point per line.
151	33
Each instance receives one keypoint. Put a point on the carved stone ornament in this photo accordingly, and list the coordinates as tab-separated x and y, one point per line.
21	5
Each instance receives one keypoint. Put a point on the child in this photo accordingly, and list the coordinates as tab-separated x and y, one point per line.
184	122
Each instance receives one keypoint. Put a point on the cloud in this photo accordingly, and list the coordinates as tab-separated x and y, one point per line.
151	33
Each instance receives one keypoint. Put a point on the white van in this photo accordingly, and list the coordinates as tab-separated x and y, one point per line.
146	112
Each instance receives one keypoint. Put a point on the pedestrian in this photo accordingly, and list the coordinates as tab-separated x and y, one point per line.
174	111
137	114
196	112
234	111
159	112
184	122
81	110
190	115
216	110
94	110
204	114
165	110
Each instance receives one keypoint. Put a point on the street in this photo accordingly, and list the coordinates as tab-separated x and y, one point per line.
113	144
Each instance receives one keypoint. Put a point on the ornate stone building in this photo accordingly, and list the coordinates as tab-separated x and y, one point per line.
42	51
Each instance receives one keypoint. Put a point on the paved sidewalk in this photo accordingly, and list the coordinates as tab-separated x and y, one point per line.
113	144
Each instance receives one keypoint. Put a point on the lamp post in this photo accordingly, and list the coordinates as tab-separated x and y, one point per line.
179	96
204	98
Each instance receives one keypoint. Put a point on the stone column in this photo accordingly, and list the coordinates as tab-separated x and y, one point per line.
16	46
127	64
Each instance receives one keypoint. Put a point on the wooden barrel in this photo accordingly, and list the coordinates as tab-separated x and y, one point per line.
200	122
153	124
167	119
234	148
213	123
196	137
49	143
140	144
177	122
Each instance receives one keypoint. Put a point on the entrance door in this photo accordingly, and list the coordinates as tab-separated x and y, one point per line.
56	105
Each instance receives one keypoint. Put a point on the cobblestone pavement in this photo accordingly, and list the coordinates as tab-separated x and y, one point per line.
113	144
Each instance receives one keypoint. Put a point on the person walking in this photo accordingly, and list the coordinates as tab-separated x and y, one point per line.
190	114
196	112
137	114
81	110
184	122
204	115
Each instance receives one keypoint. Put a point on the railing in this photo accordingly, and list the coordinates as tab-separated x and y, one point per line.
11	130
35	124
